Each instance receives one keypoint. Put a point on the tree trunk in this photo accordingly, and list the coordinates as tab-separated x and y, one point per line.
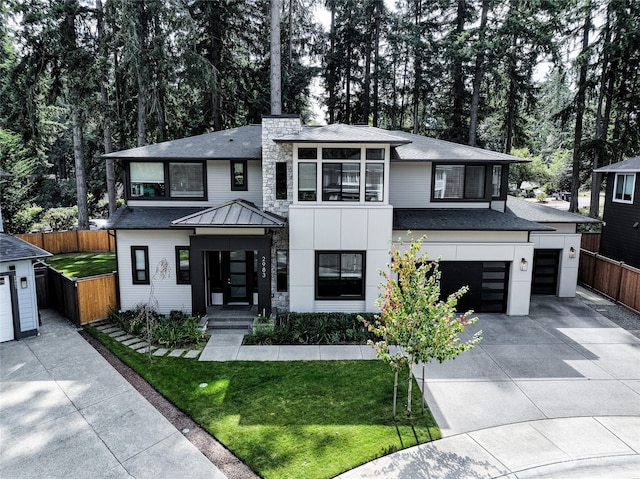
457	119
395	392
276	68
477	76
409	387
142	74
580	104
81	179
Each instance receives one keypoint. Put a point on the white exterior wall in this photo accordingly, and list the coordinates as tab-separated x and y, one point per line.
168	294
568	267
27	297
463	246
219	187
352	228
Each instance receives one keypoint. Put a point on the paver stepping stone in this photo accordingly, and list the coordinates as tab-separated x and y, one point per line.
176	353
160	352
193	353
146	349
123	338
131	341
139	345
104	326
117	333
110	330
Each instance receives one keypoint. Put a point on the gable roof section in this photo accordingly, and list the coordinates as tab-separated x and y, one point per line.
461	220
234	214
422	148
544	214
339	133
632	165
244	142
15	249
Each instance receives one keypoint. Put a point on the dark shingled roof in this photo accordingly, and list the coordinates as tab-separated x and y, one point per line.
632	165
461	220
423	148
15	249
339	133
236	213
544	214
153	217
244	142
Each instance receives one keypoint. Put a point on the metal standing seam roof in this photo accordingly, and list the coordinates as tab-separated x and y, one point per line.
446	219
236	213
544	214
15	249
632	165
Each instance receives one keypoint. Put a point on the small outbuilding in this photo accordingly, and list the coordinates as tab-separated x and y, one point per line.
18	298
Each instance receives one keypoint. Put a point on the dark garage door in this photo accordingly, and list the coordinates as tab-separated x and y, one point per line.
545	271
488	283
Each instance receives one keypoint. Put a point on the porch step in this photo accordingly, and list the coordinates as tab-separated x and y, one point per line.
231	323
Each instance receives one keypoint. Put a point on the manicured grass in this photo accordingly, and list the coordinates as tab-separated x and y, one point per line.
303	419
81	265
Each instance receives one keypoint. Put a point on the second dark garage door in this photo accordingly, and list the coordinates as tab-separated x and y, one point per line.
488	283
545	271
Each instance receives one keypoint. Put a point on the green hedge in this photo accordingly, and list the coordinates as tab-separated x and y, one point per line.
314	328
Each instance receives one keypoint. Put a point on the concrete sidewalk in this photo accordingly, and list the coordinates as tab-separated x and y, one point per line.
65	412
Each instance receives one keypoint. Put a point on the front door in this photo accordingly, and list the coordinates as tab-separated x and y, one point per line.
237	268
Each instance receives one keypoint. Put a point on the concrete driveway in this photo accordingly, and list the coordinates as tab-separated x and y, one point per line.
66	413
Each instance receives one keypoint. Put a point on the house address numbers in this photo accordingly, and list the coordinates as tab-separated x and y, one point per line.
263	263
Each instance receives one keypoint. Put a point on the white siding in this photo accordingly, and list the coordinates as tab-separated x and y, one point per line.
168	294
27	297
410	185
219	187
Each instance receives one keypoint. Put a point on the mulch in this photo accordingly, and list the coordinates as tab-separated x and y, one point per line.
221	457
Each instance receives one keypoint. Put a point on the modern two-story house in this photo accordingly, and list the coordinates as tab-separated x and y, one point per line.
300	218
620	238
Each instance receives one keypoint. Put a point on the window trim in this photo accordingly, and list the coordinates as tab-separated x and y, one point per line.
179	279
464	199
167	181
615	188
134	270
245	183
360	297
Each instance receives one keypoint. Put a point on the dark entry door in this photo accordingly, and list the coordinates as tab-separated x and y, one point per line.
545	271
237	267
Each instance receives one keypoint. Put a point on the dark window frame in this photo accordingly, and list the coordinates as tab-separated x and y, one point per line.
282	278
179	277
281	181
134	270
464	198
245	183
340	194
167	182
361	296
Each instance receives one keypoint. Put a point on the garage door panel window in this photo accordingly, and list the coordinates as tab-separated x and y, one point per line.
340	275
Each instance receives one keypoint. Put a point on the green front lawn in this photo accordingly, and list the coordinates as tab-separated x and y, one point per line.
81	265
304	419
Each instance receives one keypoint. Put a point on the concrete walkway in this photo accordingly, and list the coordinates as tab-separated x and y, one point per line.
65	412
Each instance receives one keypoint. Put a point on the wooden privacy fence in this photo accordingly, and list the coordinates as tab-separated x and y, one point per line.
615	279
591	242
72	241
80	300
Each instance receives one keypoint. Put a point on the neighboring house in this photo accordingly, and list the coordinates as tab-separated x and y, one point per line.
19	316
300	218
621	230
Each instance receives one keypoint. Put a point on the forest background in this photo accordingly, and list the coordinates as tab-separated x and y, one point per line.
556	81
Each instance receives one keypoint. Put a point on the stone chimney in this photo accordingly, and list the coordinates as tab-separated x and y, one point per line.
276	126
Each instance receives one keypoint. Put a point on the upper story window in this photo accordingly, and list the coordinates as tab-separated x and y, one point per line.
341	174
163	179
239	175
496	181
281	181
459	182
624	187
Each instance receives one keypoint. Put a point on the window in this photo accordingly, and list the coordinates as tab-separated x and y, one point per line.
374	182
496	181
186	180
340	182
281	181
239	175
140	264
375	154
307	182
340	275
160	180
459	182
147	179
182	265
307	153
341	153
281	270
623	191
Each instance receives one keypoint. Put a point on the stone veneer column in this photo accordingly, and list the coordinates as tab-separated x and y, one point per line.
275	126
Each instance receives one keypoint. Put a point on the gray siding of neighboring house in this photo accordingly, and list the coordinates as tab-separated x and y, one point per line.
620	240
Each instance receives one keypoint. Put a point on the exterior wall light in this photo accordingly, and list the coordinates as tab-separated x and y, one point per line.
572	252
23	282
524	265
